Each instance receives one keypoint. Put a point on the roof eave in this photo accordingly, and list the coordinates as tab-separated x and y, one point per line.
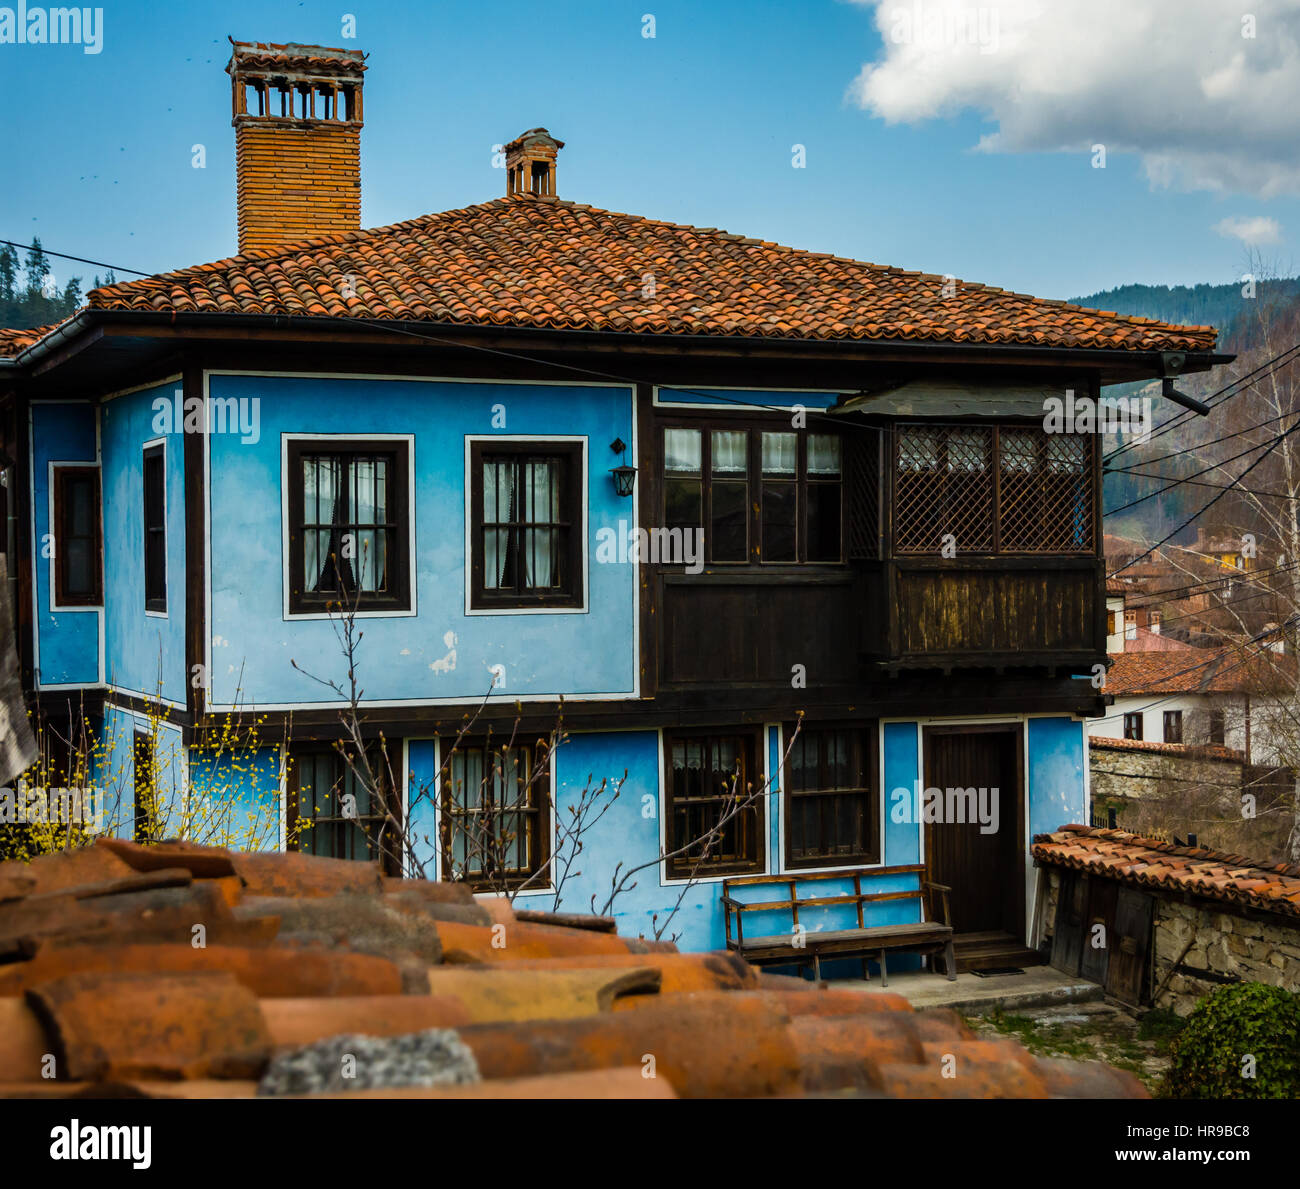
1122	362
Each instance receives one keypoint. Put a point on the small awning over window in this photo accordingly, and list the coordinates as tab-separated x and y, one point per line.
950	398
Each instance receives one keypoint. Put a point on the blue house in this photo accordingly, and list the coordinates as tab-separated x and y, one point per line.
520	506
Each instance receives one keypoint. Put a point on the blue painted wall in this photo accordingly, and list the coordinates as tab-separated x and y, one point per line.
573	653
144	653
68	641
1057	750
116	772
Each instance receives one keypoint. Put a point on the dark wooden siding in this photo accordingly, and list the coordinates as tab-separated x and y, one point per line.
753	627
972	607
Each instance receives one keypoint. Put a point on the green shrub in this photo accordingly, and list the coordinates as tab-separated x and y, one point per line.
1213	1054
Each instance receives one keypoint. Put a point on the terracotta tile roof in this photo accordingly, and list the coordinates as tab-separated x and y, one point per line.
549	264
1202	670
1200	751
1149	863
13	340
98	967
272	56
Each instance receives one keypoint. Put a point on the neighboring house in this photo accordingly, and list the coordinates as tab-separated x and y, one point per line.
1203	696
1181	920
893	545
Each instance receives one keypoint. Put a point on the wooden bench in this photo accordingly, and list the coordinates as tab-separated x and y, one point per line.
784	949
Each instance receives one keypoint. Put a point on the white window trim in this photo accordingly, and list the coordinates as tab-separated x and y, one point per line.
55	605
411	569
145	447
584	607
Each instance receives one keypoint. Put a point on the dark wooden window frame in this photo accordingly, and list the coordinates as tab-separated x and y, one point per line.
708	420
754	742
1216	729
1133	725
383	842
155	529
62	473
574	508
539	810
398	600
1086	516
866	760
1173	725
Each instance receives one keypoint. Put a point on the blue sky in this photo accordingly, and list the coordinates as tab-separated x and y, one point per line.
695	125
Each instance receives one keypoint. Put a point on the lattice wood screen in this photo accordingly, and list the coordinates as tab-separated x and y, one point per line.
862	482
992	489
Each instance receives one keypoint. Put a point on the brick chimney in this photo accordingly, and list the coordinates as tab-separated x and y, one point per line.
297	119
530	164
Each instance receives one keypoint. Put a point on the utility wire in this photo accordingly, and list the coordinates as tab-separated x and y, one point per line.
1273	445
79	259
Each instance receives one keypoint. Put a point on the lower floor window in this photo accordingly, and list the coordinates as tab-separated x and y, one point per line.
339	812
496	815
715	803
831	806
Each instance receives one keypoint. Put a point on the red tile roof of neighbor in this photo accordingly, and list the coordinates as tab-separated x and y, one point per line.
97	967
1149	863
541	262
1200	751
1201	670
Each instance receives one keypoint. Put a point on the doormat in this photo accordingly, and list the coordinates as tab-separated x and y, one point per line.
996	971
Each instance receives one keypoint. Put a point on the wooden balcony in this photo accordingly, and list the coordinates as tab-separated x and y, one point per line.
747	627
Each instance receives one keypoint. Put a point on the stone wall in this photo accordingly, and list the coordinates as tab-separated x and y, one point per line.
1258	951
1241	948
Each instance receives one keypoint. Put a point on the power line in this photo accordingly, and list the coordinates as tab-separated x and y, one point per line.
1205	469
79	259
1273	445
1236	386
1146	462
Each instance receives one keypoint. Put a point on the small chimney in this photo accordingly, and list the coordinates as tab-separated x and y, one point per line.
297	120
530	164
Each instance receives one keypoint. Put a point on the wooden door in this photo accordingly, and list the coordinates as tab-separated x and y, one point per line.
984	870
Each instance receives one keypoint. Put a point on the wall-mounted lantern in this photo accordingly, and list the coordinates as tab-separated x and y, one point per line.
624	475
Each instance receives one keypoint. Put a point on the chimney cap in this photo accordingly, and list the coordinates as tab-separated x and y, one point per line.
530	164
531	137
294	58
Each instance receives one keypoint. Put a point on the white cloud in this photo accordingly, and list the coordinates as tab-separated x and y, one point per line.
1173	80
1258	229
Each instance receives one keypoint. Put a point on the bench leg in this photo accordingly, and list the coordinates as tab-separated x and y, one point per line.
866	970
817	967
950	962
884	973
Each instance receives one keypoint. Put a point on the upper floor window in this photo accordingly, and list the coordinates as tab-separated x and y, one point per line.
77	545
155	528
1216	727
349	539
1173	726
761	495
992	489
715	823
832	811
526	524
496	815
1133	726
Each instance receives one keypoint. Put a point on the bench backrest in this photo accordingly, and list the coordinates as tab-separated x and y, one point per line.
793	901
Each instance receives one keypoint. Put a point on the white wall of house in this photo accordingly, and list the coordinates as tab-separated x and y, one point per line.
1196	708
1115	623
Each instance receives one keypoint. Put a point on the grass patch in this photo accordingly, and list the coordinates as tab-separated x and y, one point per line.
1111	1037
